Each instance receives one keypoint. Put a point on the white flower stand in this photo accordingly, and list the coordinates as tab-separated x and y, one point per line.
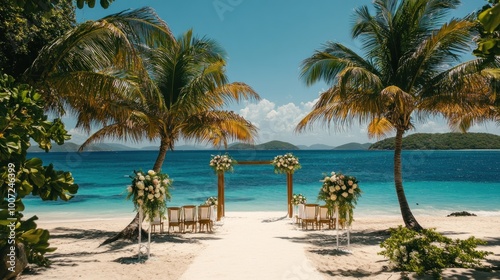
142	246
347	229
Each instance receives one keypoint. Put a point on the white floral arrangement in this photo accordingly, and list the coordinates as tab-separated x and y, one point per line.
342	191
222	163
211	201
287	163
150	191
298	199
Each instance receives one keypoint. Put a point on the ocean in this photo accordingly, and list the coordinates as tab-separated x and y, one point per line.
435	182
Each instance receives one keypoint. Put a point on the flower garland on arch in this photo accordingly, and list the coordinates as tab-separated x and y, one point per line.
287	163
342	191
150	191
222	163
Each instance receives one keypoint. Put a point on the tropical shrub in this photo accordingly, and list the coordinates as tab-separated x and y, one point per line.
22	121
430	251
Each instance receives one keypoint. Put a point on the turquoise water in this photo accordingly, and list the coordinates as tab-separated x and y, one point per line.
436	182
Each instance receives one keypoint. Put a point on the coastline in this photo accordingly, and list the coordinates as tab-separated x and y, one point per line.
266	239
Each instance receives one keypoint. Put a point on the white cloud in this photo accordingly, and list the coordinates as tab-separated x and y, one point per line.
279	122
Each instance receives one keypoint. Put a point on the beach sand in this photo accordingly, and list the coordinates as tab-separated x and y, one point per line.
249	245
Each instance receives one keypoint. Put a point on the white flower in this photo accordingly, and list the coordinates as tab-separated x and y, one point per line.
151	173
141	178
344	194
344	187
333	197
157	195
166	181
324	189
139	201
150	196
129	189
351	191
354	186
155	182
333	179
162	189
350	182
140	185
150	188
331	188
333	173
337	188
148	177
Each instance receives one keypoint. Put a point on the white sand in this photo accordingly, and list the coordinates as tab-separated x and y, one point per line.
249	245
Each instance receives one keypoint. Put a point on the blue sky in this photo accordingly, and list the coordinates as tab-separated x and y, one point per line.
266	42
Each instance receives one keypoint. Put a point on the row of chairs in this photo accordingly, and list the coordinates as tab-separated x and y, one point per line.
315	215
196	217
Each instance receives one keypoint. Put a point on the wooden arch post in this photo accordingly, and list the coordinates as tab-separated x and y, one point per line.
220	195
289	185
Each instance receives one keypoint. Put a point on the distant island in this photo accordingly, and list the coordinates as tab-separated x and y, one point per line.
442	141
417	141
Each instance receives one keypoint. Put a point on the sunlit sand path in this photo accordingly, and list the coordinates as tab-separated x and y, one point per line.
253	248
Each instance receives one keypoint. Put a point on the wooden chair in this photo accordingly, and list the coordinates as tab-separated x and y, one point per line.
157	222
174	218
324	217
310	215
204	217
189	217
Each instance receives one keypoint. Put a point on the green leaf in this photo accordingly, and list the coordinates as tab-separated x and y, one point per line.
490	19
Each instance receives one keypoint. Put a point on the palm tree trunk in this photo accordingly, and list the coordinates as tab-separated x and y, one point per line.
164	145
408	217
131	231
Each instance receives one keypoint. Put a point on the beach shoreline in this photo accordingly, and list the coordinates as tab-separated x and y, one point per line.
307	253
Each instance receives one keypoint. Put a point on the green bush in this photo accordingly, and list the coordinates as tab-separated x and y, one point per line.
429	251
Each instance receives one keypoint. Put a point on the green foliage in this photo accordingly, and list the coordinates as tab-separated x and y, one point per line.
428	250
26	26
488	44
22	120
91	3
442	141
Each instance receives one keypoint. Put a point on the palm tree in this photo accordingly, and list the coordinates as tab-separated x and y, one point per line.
411	71
142	83
188	76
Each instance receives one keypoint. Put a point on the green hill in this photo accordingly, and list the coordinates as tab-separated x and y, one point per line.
272	145
72	147
353	146
442	141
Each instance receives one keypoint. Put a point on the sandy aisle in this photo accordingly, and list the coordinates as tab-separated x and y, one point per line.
258	246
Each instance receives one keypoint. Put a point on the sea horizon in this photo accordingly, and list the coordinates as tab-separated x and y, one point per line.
437	182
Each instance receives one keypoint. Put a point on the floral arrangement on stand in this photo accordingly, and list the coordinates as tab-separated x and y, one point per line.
342	191
211	201
287	163
222	163
298	199
150	191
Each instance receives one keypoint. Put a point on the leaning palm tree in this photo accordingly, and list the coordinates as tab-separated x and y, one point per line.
188	89
410	71
115	73
189	77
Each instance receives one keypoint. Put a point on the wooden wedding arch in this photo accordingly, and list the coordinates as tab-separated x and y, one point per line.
220	188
